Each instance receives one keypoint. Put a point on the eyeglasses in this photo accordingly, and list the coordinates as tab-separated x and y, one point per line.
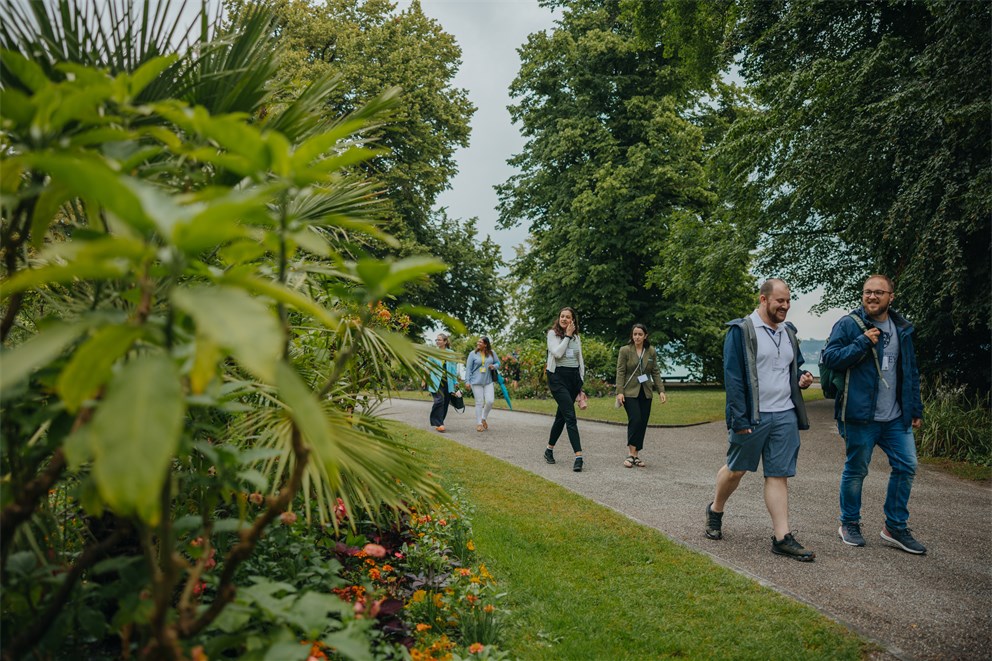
878	293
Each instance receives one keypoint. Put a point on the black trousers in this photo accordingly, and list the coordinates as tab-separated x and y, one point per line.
565	385
638	412
440	409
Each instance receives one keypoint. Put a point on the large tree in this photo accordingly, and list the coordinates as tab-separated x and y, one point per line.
371	47
868	150
612	178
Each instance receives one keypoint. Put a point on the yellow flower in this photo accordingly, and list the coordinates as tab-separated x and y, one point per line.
438	600
470	546
419	595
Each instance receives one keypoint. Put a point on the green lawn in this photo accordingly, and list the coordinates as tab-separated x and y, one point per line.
685	406
584	582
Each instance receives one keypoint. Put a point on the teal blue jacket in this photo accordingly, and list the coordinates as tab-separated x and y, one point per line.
436	369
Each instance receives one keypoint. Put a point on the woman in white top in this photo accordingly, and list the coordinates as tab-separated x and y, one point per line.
480	372
566	371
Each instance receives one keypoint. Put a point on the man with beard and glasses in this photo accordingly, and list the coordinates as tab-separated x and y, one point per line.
881	406
765	411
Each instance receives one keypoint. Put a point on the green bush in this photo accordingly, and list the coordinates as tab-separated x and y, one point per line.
956	425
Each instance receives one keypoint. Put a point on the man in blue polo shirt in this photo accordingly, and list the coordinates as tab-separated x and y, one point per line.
765	411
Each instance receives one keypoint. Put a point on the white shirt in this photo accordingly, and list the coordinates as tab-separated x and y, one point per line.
774	359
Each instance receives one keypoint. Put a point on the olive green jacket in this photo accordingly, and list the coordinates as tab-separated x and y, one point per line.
628	371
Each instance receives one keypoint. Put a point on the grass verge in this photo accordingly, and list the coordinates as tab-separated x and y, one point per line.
685	406
587	583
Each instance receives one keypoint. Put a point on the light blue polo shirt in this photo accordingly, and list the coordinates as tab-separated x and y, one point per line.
774	359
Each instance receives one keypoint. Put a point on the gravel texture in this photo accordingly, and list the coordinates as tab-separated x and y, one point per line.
937	606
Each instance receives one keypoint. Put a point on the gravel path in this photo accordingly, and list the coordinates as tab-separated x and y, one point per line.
937	606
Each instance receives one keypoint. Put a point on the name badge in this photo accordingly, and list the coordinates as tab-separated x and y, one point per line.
570	353
887	363
642	378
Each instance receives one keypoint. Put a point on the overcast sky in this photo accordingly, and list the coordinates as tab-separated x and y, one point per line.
489	33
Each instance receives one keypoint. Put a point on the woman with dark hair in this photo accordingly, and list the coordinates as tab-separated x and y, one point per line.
480	372
443	383
638	374
566	371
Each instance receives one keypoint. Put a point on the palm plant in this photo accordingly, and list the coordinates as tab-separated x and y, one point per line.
168	267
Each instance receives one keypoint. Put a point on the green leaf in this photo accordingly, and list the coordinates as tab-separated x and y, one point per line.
309	418
59	273
134	435
282	294
45	209
148	72
19	362
350	642
93	179
25	70
243	325
16	106
91	365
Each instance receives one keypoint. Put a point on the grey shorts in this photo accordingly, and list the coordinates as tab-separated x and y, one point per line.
774	441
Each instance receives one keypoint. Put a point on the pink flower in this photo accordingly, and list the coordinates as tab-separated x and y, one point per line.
340	511
375	550
288	518
399	555
256	498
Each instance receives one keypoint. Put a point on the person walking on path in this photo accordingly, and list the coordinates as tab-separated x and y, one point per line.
638	374
881	405
566	371
480	368
446	371
765	411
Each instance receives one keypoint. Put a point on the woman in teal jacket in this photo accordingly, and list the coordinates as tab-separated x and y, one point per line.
441	392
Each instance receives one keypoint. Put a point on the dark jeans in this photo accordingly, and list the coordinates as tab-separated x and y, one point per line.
440	409
565	385
638	411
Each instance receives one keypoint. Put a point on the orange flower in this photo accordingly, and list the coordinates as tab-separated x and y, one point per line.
471	598
387	568
418	596
197	654
475	648
465	572
374	574
489	608
423	627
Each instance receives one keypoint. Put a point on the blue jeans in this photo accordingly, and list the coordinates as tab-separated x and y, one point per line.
897	441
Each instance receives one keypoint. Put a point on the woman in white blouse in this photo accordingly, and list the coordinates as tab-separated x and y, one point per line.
566	371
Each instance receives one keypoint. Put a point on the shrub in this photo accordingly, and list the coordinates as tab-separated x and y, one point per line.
956	425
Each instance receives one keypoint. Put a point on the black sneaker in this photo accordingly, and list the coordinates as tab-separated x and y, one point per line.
577	466
549	455
789	547
904	540
714	523
850	534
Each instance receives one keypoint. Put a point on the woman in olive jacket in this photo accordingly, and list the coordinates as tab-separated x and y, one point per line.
638	375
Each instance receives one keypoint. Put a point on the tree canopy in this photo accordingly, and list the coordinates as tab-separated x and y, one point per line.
612	178
867	150
371	47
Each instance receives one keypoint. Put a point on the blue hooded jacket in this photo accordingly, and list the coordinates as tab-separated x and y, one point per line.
849	348
740	375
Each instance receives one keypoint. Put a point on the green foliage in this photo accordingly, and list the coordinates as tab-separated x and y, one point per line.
955	425
612	181
369	47
866	151
167	269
